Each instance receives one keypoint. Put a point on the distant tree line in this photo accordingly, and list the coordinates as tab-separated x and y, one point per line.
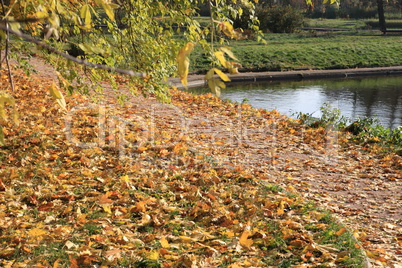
287	15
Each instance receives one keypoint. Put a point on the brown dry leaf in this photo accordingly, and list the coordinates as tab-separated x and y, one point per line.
56	263
113	254
104	199
140	206
73	263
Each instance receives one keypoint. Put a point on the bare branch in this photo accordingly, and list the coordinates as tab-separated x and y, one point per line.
6	56
10	76
25	20
69	57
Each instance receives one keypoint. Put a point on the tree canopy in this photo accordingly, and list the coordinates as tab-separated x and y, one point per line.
147	40
143	36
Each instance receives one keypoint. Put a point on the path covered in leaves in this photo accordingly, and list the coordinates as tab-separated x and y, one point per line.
196	183
359	183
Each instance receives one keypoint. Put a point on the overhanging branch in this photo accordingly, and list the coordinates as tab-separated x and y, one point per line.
25	20
69	57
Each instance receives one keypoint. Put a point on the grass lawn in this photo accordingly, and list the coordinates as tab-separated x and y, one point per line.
314	50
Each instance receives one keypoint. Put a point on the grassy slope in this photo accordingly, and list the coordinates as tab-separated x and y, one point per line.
314	50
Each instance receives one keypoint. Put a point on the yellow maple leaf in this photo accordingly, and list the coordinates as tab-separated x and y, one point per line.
229	234
228	51
107	208
244	240
281	208
153	255
164	243
222	75
36	233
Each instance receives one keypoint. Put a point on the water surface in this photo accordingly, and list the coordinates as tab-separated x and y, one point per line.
379	97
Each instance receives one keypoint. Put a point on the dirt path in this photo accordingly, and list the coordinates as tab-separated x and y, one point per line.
363	189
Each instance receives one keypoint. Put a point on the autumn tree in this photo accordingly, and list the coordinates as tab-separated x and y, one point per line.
147	40
381	16
140	36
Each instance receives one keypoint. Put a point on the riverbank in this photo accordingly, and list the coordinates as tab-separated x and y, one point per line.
248	77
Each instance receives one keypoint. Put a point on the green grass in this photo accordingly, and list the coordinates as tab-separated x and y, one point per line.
283	52
336	23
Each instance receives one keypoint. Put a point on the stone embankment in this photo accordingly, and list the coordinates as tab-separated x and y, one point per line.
198	80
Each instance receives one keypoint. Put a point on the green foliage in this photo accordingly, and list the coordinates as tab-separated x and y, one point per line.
279	19
365	130
334	11
330	117
369	131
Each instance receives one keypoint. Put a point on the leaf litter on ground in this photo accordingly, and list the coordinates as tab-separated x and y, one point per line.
117	186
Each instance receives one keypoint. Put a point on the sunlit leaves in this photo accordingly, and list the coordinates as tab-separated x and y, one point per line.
108	7
221	74
325	1
184	62
6	99
232	67
54	91
85	14
1	135
227	28
228	52
216	84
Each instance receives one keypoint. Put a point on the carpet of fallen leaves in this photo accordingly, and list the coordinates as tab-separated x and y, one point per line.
195	183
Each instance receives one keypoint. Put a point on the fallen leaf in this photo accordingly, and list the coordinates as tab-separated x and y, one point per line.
244	239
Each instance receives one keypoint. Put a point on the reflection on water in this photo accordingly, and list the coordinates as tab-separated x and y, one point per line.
379	97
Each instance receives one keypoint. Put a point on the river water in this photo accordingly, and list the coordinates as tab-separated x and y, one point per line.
379	97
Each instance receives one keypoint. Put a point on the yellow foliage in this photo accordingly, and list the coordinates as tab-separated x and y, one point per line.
184	62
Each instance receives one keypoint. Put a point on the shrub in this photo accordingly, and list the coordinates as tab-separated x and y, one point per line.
332	12
330	117
279	19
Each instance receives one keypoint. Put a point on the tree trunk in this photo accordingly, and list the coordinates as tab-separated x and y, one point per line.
381	17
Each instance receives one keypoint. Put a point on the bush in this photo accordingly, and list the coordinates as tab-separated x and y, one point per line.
279	19
361	13
333	12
